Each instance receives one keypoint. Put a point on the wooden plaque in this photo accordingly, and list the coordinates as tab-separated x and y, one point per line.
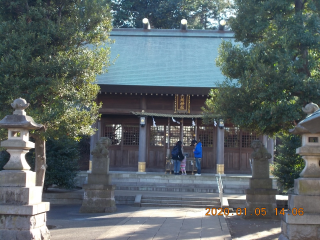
182	103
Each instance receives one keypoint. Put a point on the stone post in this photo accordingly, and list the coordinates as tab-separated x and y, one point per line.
22	212
302	219
260	197
99	193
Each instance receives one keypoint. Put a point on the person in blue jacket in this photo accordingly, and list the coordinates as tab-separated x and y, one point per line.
197	151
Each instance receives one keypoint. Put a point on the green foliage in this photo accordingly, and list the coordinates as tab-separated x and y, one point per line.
62	162
50	54
288	165
206	14
168	14
275	71
4	158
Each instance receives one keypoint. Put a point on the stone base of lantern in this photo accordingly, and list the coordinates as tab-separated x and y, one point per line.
297	227
22	214
24	222
261	204
302	220
98	198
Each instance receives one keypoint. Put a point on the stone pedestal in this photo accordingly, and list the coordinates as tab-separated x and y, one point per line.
98	198
99	193
22	214
260	197
302	219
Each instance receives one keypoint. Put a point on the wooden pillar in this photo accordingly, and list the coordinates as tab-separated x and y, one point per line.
168	139
142	139
196	130
220	150
181	133
142	147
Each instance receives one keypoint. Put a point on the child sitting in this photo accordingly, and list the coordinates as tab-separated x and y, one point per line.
183	166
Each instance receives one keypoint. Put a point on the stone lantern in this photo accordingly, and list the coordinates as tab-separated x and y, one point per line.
22	212
302	219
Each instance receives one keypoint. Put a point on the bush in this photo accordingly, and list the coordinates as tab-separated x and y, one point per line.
62	162
288	165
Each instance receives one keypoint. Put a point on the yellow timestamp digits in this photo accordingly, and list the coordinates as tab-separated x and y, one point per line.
293	211
217	211
238	212
257	212
224	212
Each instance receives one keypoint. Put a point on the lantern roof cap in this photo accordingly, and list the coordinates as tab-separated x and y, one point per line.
311	123
19	119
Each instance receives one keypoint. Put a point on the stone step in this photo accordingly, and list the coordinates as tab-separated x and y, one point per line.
181	198
177	188
76	197
173	180
171	201
178	183
179	205
167	189
58	197
178	201
133	184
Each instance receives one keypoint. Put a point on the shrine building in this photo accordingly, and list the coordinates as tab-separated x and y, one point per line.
152	97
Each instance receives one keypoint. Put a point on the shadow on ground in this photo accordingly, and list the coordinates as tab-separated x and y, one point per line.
253	229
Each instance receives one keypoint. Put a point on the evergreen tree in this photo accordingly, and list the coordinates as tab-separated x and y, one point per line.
275	71
288	165
167	14
62	160
50	54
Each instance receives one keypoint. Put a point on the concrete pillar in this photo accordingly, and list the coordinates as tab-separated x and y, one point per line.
142	148
220	151
270	148
265	140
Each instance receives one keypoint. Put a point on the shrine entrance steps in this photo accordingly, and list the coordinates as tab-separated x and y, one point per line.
165	190
171	201
155	181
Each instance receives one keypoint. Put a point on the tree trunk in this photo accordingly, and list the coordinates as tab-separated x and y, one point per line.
40	161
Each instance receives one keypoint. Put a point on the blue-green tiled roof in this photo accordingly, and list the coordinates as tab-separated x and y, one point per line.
165	58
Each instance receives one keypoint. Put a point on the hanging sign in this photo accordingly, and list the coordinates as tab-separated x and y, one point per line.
182	103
